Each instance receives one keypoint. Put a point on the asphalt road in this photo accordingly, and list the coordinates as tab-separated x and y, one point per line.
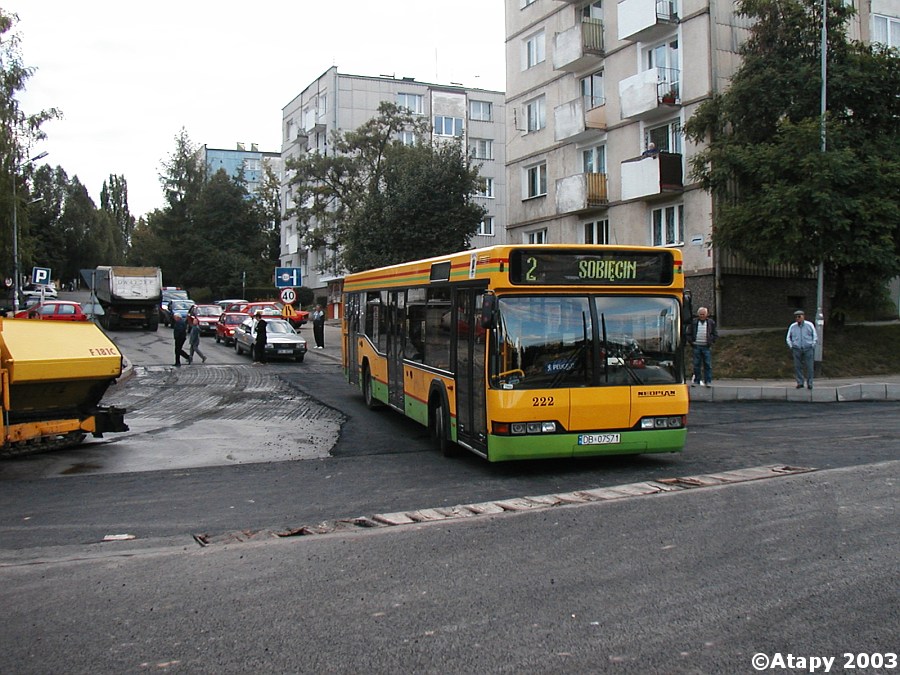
696	581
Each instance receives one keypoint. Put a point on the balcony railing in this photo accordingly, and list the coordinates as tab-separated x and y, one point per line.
647	94
652	176
581	192
645	20
579	47
579	119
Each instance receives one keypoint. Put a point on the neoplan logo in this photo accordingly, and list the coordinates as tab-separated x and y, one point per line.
656	393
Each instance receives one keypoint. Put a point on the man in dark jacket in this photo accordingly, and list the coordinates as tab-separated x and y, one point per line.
701	335
259	349
179	332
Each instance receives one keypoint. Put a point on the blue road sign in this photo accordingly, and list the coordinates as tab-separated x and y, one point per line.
40	275
287	277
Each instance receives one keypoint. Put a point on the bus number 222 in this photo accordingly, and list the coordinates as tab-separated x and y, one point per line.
542	401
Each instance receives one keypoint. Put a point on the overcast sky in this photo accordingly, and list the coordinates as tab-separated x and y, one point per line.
129	74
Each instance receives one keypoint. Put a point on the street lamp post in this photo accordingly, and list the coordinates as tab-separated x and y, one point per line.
15	224
820	273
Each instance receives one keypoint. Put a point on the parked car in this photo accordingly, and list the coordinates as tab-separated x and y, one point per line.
57	310
170	293
225	304
282	341
208	316
179	307
47	291
226	325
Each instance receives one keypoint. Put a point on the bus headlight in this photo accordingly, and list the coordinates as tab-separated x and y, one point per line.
670	422
524	428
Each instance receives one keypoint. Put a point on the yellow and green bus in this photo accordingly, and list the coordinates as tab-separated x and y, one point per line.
525	352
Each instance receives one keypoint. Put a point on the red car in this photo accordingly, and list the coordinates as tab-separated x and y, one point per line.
226	324
208	315
56	310
271	308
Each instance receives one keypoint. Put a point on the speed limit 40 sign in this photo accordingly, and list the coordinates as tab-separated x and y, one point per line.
288	296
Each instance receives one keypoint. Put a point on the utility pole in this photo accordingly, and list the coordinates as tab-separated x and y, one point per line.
820	276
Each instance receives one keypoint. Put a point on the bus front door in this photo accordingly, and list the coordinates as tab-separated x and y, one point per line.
396	321
350	337
471	414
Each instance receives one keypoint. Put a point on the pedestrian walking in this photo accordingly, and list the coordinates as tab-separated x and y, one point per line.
179	332
318	319
801	339
701	335
259	348
194	336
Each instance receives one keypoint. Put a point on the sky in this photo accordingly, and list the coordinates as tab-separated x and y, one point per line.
128	75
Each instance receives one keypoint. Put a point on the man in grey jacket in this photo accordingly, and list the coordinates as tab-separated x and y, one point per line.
801	339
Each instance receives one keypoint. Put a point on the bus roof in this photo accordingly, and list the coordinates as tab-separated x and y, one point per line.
545	265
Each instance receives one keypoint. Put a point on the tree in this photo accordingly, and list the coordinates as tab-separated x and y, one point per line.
268	198
376	201
114	201
18	131
779	197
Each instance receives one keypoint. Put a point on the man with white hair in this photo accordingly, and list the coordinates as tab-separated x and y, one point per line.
701	335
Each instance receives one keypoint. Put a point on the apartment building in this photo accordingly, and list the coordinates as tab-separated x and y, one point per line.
338	101
598	93
251	162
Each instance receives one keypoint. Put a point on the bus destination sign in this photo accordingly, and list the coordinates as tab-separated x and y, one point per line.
583	268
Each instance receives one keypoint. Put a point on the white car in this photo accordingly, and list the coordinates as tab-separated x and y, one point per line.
46	291
282	341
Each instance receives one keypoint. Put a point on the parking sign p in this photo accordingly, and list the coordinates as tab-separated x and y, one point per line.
40	275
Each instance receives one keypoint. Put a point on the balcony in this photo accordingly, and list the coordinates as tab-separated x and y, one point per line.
579	47
646	20
652	176
313	122
579	119
651	93
581	192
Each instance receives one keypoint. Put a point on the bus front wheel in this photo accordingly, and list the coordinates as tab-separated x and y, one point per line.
440	429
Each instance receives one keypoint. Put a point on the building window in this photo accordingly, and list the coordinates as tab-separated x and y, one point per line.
486	227
524	3
596	232
482	111
664	57
592	90
486	188
536	180
592	10
536	237
414	103
448	126
666	137
483	148
533	50
593	160
668	226
536	114
886	30
406	137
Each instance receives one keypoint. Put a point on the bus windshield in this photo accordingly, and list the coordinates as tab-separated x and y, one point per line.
548	342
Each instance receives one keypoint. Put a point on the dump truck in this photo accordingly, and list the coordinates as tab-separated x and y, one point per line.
53	375
128	295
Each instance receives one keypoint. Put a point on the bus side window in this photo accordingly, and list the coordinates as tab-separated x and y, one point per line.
415	325
437	328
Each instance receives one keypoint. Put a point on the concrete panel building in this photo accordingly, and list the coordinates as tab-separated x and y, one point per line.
338	101
598	92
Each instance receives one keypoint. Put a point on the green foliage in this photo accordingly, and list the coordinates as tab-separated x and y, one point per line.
19	131
375	201
780	197
210	234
